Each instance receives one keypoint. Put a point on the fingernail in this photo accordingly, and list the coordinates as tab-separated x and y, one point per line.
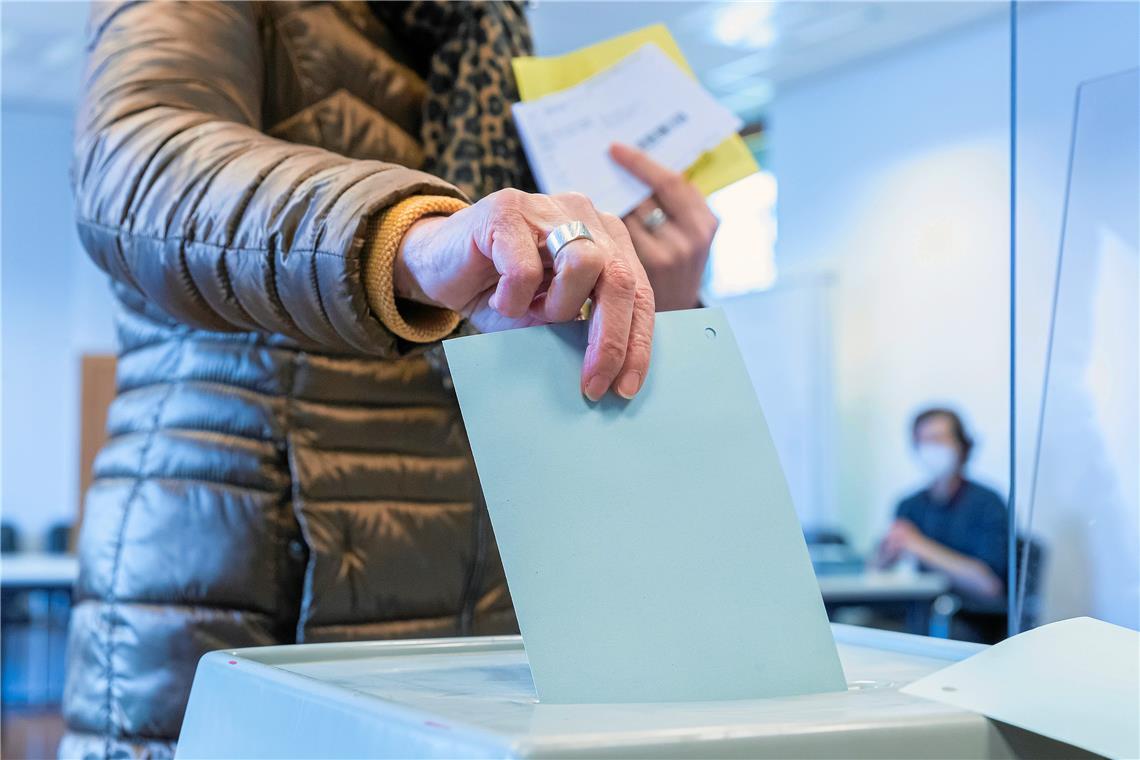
629	385
596	388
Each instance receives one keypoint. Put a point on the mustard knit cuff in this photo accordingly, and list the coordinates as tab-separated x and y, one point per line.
411	321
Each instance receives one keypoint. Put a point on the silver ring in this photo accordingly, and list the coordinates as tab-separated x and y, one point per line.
654	219
565	234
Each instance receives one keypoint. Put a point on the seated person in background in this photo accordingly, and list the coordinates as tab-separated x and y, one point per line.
953	525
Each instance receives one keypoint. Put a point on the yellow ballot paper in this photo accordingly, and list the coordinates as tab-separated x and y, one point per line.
538	77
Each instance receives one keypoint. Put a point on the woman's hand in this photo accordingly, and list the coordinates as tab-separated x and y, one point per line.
489	263
674	253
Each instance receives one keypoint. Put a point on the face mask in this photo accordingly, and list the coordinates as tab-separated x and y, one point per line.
937	459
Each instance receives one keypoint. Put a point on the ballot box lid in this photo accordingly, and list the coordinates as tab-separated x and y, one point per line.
473	697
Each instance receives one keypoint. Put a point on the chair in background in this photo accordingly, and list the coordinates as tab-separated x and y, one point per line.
33	630
950	611
1034	568
35	617
830	553
820	535
14	620
9	538
58	539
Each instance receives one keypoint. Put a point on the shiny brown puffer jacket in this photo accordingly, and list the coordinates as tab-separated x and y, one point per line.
280	467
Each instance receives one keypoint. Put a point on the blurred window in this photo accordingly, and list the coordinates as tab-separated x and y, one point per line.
743	254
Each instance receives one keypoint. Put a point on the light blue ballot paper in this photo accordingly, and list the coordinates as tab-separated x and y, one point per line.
650	545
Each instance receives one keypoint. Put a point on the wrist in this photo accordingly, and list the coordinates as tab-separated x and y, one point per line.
420	322
412	266
919	546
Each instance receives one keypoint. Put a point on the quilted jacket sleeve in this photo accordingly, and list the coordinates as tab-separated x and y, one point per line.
181	197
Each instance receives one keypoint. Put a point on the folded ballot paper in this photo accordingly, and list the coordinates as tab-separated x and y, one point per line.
650	546
636	90
1076	681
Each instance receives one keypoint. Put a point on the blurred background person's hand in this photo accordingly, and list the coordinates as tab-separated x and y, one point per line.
900	538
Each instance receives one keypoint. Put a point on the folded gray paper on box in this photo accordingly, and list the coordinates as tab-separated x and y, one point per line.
1076	681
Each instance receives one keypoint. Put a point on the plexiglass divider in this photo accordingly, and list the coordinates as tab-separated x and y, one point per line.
1078	321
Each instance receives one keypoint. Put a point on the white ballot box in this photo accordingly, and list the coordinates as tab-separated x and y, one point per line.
454	698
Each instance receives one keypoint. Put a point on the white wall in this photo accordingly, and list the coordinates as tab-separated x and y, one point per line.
55	306
784	335
894	176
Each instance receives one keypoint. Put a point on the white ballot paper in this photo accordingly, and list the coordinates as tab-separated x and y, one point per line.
650	546
645	101
1076	681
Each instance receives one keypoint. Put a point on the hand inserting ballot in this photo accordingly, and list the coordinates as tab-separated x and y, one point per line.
489	263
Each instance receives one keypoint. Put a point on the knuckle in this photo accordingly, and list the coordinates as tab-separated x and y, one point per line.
574	199
711	230
524	272
563	312
543	204
645	299
640	346
505	201
681	245
694	248
621	277
670	255
611	351
621	236
675	182
653	256
616	228
581	258
702	256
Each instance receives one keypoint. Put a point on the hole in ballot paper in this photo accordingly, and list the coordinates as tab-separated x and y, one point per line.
710	333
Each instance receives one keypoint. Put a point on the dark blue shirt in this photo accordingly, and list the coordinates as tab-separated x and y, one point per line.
973	522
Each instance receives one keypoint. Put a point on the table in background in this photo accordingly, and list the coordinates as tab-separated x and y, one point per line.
35	601
914	591
38	572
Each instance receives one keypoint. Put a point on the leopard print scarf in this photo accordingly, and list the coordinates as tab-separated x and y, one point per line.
466	49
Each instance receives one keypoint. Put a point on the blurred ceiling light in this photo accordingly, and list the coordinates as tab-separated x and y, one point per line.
839	22
744	24
744	67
